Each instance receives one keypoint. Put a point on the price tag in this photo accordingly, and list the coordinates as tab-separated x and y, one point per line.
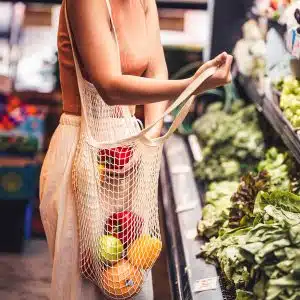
205	284
191	234
186	207
181	169
293	42
195	147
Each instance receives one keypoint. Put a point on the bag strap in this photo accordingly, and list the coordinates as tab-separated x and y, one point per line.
186	96
114	29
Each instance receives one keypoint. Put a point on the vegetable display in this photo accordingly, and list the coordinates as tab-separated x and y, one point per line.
290	100
242	201
262	260
216	210
277	165
255	238
232	143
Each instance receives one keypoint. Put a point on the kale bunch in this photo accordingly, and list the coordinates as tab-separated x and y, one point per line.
242	201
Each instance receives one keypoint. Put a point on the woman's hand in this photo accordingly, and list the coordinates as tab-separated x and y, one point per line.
221	77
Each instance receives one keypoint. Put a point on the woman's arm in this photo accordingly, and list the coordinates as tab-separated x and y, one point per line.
157	67
98	54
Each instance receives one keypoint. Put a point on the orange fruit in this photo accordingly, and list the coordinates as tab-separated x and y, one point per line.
121	281
144	251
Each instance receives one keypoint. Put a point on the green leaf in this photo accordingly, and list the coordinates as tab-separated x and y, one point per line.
244	295
280	199
273	292
259	288
285	265
270	248
285	281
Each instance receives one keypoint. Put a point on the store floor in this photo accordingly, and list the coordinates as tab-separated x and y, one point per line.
27	276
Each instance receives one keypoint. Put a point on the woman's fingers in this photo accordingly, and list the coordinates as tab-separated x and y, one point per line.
220	59
228	67
228	62
224	73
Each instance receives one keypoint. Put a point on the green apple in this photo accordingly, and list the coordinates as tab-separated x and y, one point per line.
110	249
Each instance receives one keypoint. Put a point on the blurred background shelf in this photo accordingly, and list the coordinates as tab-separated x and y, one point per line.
267	104
33	97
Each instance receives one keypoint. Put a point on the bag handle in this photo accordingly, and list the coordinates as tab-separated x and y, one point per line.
186	96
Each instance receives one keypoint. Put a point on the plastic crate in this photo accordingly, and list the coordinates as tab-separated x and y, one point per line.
28	220
18	179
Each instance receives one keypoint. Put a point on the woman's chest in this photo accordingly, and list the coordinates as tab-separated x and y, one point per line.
129	19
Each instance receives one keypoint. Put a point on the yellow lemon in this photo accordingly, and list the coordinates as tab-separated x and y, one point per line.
101	170
144	251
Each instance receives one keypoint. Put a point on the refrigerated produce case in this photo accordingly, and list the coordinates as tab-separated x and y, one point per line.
183	197
186	194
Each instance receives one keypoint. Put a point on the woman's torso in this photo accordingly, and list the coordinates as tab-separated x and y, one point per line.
129	18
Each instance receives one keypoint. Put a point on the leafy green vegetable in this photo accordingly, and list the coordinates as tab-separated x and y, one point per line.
243	199
232	142
244	295
216	210
277	165
295	179
290	100
254	225
283	199
262	259
218	169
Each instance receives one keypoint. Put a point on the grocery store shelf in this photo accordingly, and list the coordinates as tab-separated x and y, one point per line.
33	97
268	106
182	212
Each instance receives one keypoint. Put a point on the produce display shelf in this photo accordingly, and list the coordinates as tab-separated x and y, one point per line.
182	210
267	104
33	97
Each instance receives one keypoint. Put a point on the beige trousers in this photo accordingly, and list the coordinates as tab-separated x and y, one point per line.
57	207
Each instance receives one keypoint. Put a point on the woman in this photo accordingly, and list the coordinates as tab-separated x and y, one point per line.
102	31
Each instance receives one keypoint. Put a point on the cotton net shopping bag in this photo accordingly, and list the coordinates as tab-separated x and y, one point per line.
115	182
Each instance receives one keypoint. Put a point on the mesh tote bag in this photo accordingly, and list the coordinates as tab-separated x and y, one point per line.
115	182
